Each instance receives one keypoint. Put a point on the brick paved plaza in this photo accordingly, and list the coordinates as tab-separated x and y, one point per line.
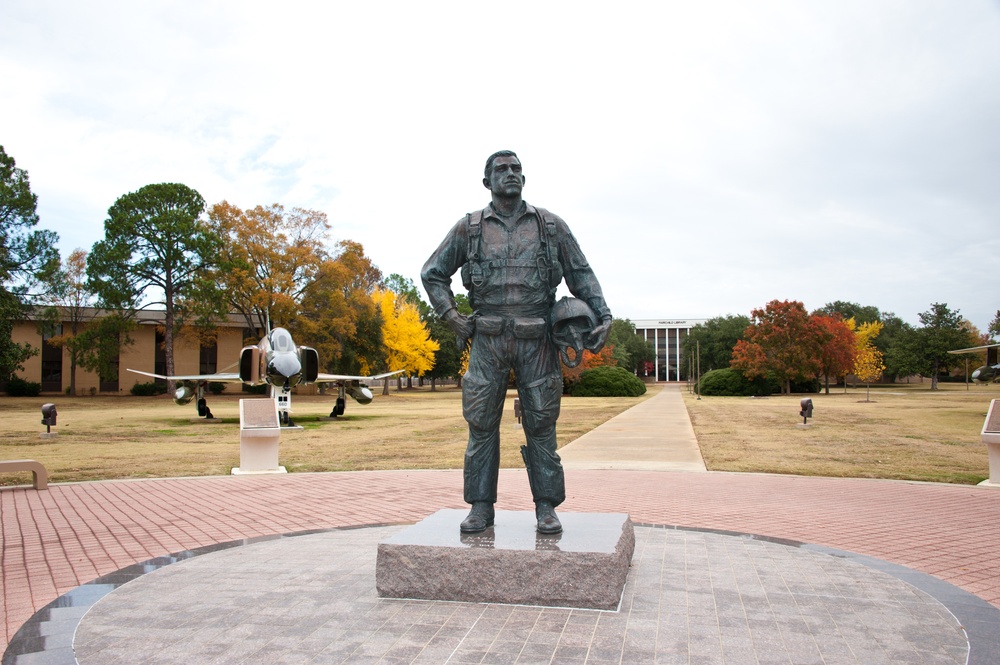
71	534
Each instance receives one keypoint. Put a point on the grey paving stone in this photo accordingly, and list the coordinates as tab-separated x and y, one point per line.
691	597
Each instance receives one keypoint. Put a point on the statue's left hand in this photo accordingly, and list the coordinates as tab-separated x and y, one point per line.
598	337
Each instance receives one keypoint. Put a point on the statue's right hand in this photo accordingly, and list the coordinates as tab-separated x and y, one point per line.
461	324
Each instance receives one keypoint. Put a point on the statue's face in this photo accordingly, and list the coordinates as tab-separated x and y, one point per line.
505	178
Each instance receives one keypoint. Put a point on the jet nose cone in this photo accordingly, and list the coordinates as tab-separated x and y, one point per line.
285	366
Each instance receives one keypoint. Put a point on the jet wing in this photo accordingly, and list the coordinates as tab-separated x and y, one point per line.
220	378
973	349
343	378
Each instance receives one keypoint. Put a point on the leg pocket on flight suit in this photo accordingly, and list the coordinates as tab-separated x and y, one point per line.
541	402
479	403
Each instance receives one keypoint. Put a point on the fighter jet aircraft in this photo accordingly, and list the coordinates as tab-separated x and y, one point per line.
990	372
275	361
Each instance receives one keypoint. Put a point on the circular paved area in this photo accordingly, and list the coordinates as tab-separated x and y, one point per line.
691	597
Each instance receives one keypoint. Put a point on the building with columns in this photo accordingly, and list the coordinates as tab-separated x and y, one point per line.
667	337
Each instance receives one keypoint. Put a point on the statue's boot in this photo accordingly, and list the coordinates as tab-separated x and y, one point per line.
480	517
546	516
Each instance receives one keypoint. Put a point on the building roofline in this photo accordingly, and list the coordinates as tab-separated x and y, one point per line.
143	317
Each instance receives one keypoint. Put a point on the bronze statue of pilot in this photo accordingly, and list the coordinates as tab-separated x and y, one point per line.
512	256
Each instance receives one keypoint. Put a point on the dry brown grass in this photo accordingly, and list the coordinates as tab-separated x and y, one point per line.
905	432
144	437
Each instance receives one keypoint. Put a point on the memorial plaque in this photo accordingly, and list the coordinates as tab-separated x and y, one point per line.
992	420
258	413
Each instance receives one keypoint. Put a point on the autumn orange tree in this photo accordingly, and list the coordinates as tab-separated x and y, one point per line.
782	342
338	315
270	258
605	357
406	340
836	346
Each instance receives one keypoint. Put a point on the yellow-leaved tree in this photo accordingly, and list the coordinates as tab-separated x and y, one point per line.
868	364
407	341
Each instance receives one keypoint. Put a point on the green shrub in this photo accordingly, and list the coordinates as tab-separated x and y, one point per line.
608	382
149	389
725	383
18	387
730	382
216	387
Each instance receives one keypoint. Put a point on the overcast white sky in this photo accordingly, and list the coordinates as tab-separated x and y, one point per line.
709	156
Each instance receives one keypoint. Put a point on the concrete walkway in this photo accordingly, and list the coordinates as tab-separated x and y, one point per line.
942	539
655	435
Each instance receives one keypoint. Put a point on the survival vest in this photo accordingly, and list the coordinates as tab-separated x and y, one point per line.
476	269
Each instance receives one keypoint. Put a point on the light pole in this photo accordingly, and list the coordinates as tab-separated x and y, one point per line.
697	346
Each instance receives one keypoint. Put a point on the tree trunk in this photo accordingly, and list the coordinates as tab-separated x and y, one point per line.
168	335
934	376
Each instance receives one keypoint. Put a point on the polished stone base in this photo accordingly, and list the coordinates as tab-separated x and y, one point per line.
584	566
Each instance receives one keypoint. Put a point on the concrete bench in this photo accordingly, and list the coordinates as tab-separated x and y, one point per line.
40	477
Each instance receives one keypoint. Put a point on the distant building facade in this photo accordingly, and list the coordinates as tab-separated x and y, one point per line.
51	366
667	337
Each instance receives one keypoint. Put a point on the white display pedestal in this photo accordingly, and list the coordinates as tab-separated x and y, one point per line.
259	434
991	437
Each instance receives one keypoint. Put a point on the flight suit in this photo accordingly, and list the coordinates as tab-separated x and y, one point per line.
511	268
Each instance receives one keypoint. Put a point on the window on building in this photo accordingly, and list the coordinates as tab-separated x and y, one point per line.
109	383
52	362
208	357
160	354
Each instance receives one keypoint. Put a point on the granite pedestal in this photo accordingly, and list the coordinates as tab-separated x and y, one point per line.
585	566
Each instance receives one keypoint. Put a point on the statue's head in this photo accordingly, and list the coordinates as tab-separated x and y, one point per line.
503	174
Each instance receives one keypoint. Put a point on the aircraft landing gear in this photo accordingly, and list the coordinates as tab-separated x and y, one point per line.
286	419
338	408
203	409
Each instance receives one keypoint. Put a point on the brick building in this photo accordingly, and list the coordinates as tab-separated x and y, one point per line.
51	367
